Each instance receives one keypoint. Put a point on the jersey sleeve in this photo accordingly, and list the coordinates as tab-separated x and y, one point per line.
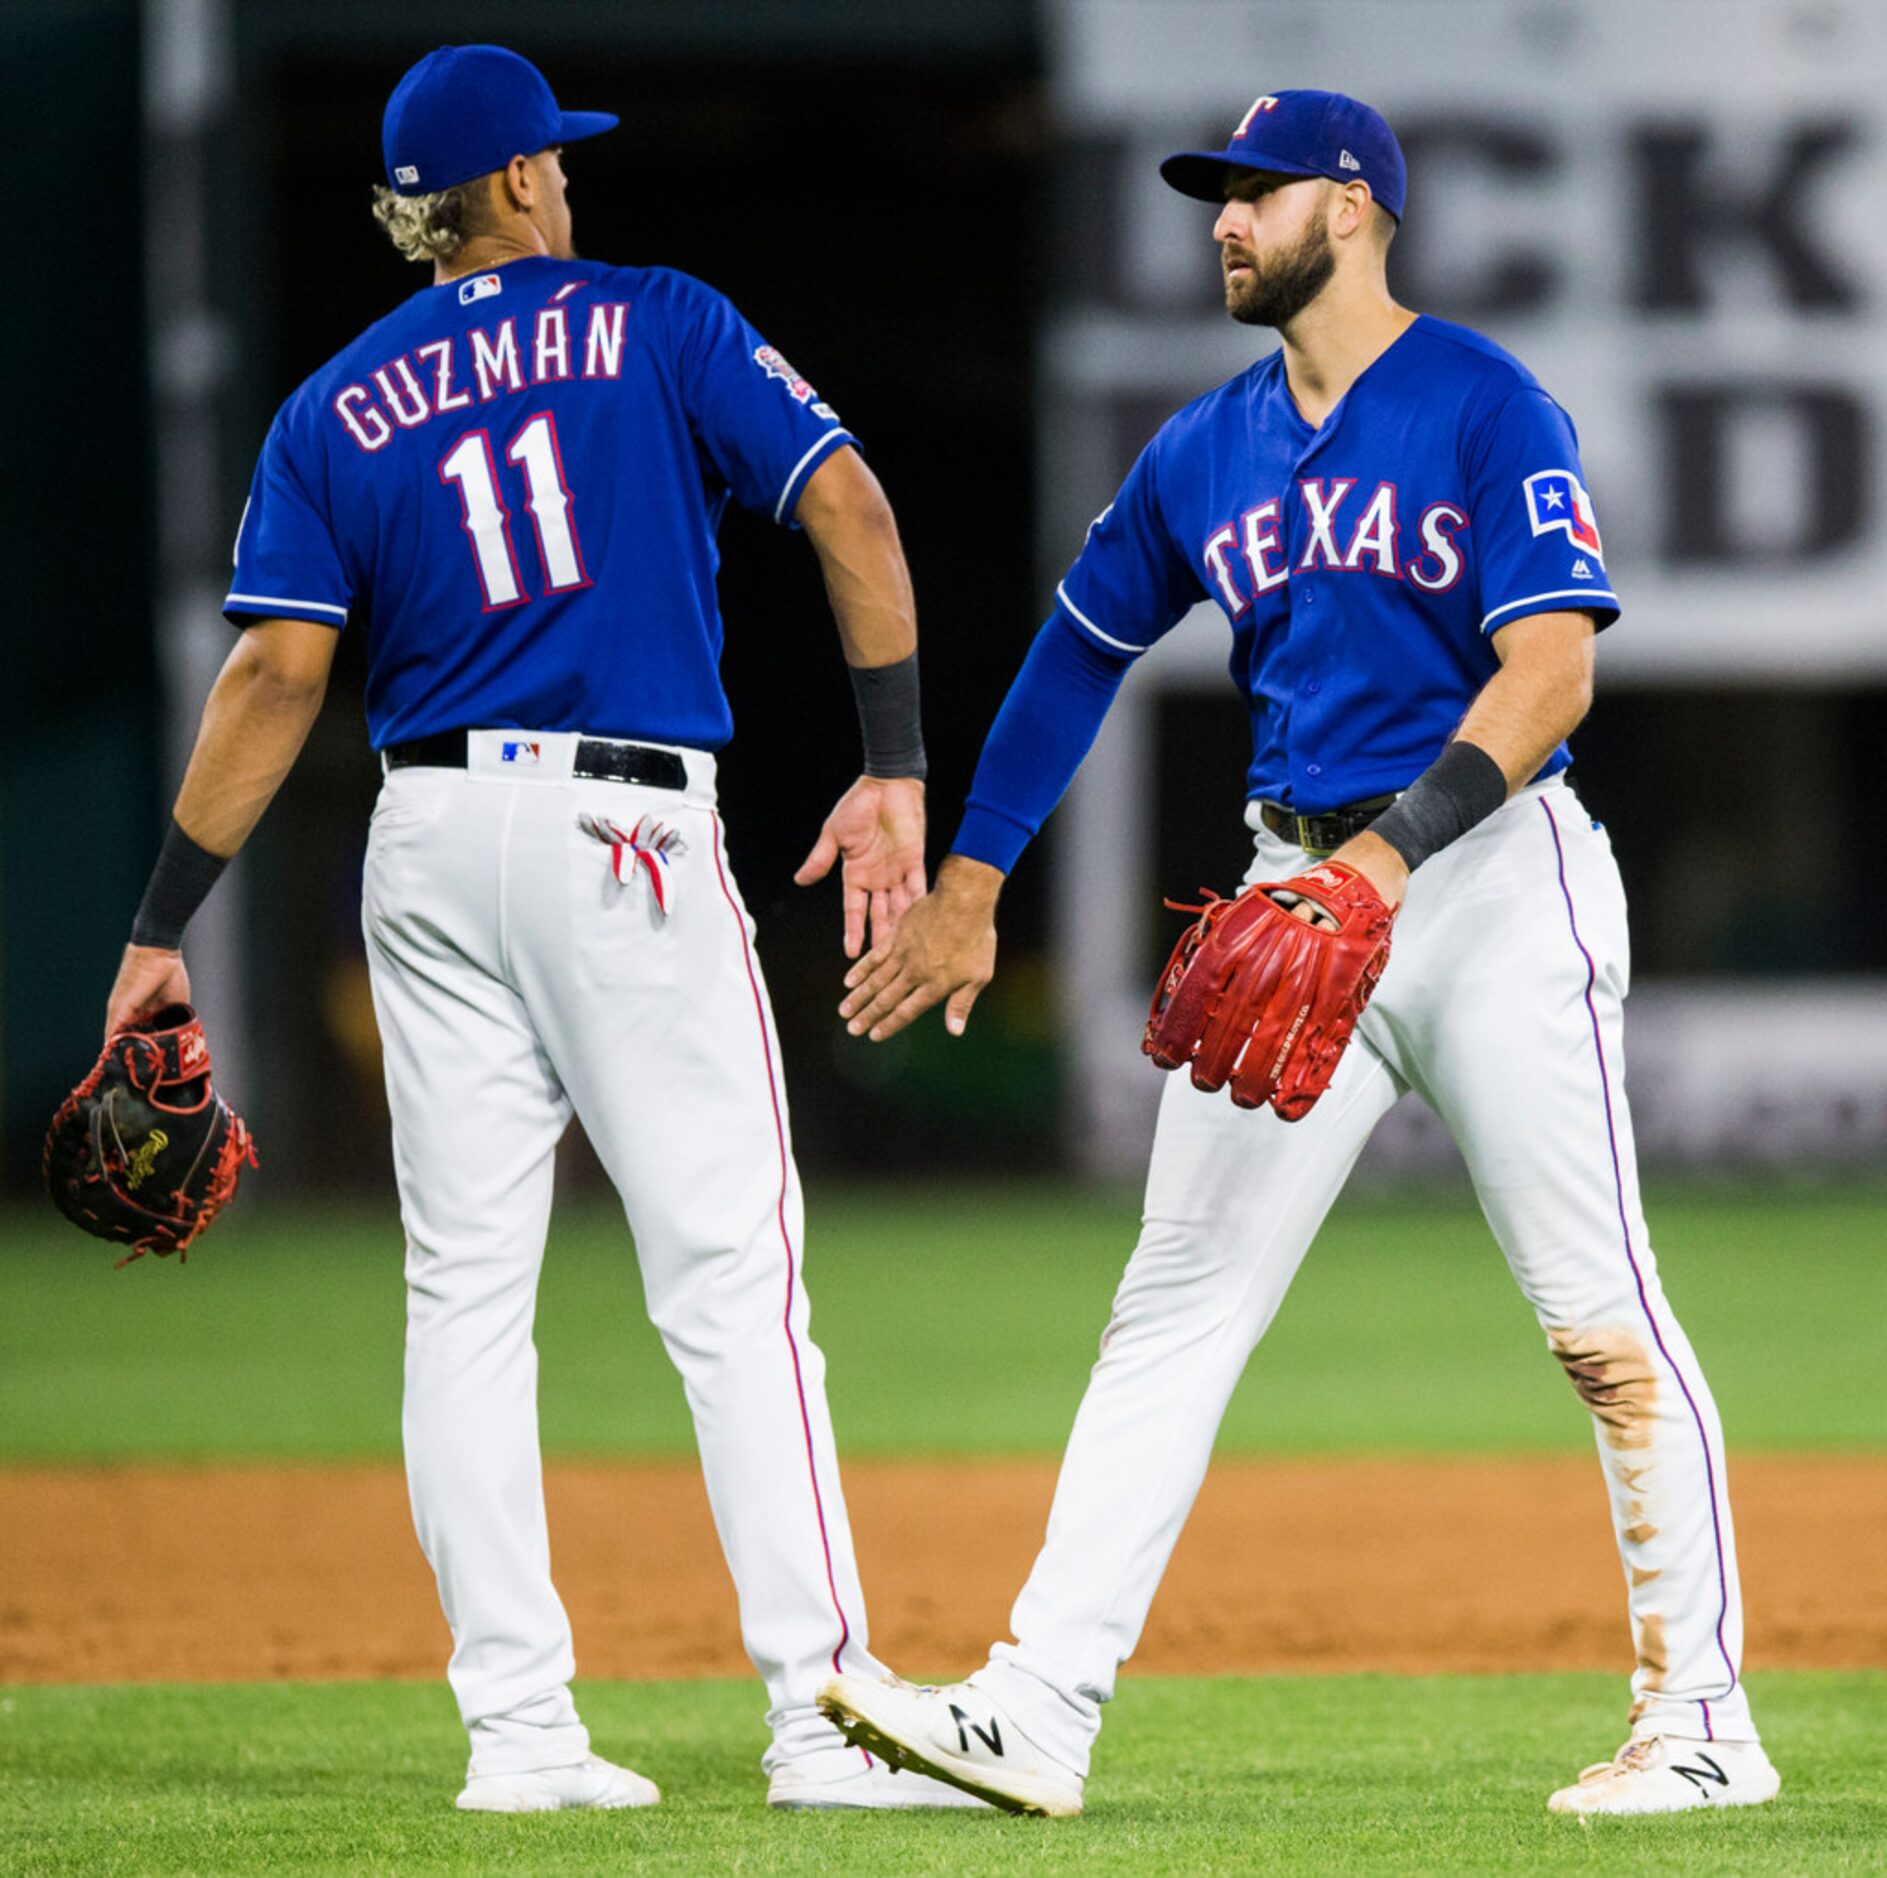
1130	585
1537	545
762	425
1046	726
287	566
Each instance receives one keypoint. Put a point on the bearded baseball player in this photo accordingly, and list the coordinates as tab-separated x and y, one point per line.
512	485
1391	514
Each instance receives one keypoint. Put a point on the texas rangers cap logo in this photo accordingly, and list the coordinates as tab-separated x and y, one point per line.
1556	499
1266	103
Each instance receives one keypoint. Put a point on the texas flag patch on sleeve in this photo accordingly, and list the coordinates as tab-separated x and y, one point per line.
1556	499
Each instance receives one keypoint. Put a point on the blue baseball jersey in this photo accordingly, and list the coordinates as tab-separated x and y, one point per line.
1363	566
514	482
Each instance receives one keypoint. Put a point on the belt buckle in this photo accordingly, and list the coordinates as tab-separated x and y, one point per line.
1309	830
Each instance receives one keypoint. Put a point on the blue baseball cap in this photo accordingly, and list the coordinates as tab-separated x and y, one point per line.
465	111
1301	133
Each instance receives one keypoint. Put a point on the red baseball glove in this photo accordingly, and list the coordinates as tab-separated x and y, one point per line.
1259	997
144	1152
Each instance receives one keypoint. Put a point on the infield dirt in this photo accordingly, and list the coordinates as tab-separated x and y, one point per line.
238	1573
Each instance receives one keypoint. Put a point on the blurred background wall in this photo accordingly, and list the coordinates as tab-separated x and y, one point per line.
949	219
1669	211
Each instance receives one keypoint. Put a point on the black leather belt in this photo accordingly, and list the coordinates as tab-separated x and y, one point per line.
1325	833
598	759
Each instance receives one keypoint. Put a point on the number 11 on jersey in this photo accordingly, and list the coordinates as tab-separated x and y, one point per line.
487	523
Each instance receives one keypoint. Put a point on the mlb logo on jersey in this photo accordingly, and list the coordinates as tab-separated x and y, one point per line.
518	751
482	287
1556	500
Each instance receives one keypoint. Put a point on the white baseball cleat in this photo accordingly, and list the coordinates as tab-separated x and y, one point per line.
844	1780
591	1782
1667	1774
955	1734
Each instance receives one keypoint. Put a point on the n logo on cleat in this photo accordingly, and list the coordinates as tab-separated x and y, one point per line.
1701	1777
991	1737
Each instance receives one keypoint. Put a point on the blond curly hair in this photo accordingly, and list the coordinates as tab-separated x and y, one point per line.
434	227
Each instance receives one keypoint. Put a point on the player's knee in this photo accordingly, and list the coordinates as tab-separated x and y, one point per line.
1616	1375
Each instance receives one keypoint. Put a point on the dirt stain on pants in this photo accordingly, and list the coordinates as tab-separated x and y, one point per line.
1613	1373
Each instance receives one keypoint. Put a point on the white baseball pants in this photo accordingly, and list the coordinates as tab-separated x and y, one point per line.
1501	1007
523	971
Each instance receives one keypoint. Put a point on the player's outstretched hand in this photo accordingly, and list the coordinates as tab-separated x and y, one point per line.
945	948
148	979
876	829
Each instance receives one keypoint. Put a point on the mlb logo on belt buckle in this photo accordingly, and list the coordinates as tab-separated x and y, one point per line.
519	752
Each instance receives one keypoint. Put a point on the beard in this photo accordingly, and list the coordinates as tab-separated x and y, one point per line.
1281	287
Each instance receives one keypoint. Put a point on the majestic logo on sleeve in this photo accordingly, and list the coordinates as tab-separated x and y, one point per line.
1555	499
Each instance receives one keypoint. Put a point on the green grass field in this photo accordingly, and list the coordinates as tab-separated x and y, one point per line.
1315	1775
1404	1332
963	1324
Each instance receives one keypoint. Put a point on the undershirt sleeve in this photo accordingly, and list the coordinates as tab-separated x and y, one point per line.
1046	726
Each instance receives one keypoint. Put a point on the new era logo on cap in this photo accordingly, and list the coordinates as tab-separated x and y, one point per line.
1348	162
406	176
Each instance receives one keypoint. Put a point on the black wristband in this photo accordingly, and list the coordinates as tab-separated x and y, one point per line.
1463	786
183	876
889	719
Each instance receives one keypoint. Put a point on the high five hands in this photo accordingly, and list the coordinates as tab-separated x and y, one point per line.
945	948
876	833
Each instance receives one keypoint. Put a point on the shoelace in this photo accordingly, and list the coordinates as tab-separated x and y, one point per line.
1631	1757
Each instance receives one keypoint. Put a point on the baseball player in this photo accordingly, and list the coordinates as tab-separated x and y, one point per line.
512	484
1391	514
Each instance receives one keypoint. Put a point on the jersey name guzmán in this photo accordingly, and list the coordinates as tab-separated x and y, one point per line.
514	482
1363	565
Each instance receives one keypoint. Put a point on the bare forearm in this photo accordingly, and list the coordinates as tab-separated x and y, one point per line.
1542	690
1534	702
974	886
254	724
868	585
